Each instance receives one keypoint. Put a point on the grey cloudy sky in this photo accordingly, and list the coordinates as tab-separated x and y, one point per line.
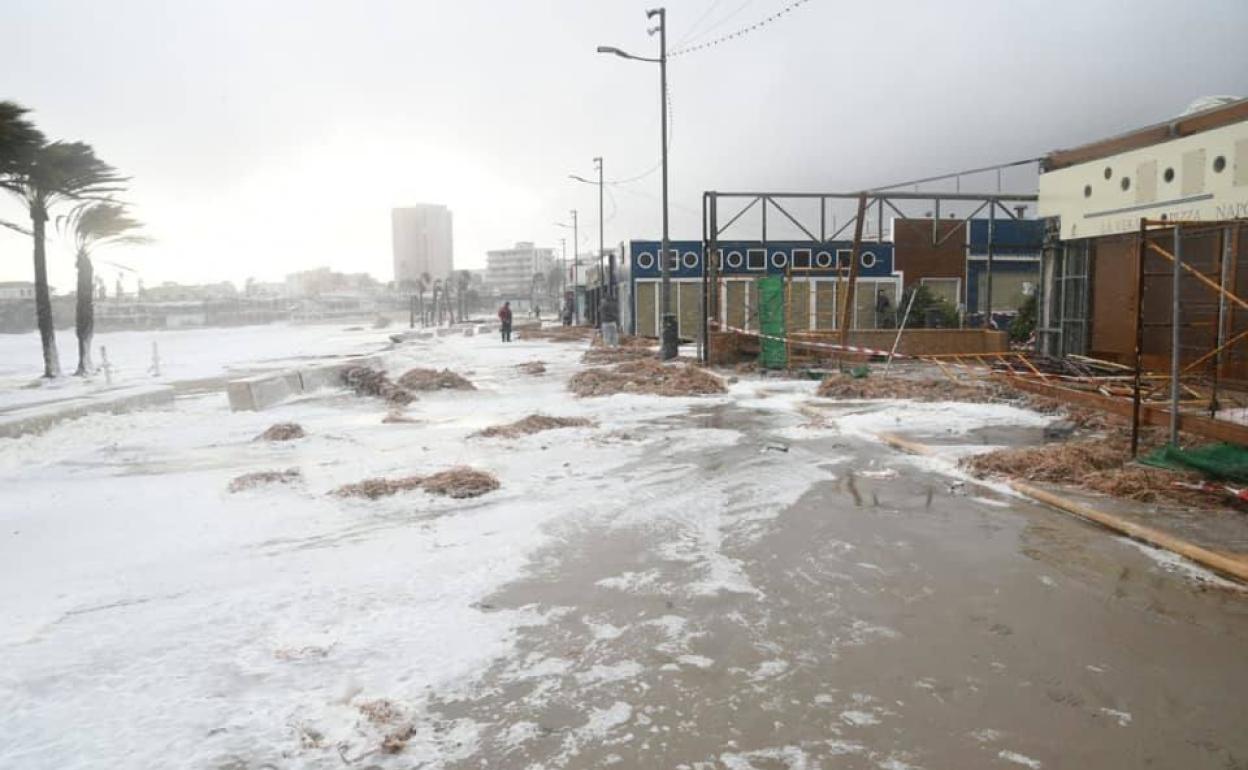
265	137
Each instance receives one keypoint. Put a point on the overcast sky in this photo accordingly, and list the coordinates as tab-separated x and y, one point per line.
265	137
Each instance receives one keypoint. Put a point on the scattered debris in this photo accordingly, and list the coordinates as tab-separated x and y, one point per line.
262	478
396	741
775	448
849	387
432	379
282	431
366	381
1100	464
534	423
532	367
461	482
1059	430
604	355
556	333
379	487
394	416
646	376
380	711
456	482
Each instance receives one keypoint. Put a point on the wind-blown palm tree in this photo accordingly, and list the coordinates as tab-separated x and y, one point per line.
42	177
18	136
422	284
91	226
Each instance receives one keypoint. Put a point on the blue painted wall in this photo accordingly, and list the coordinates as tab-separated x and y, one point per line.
876	259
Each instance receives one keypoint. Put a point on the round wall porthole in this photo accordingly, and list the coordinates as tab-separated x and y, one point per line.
867	259
645	260
1125	184
691	260
823	259
1219	163
1109	172
1087	191
1168	175
735	259
779	259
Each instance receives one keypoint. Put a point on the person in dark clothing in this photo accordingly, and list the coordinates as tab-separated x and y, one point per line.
537	312
504	320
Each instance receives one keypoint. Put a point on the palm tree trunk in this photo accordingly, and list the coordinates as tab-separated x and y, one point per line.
43	299
84	314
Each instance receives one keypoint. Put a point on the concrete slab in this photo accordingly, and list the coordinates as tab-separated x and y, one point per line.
37	418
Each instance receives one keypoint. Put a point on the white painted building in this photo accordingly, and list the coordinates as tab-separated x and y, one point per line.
509	272
16	290
422	242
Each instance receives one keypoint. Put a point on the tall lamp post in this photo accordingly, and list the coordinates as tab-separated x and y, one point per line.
668	340
576	311
602	272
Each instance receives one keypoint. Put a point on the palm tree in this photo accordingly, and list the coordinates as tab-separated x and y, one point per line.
18	137
463	279
422	283
92	225
41	177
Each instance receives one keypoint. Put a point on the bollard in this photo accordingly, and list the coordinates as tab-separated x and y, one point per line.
154	369
106	366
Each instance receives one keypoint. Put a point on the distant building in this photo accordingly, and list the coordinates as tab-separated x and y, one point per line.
509	272
178	292
422	242
323	281
16	290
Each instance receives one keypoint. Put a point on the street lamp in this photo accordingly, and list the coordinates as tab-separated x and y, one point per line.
668	341
602	273
576	311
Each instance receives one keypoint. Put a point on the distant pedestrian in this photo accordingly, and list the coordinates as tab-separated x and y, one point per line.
537	312
567	313
504	321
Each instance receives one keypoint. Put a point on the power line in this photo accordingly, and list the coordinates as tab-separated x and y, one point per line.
727	18
693	28
671	123
740	32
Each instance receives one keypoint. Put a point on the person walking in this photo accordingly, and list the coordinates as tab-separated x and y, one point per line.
504	321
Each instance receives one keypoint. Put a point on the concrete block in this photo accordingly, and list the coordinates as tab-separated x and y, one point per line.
38	418
262	391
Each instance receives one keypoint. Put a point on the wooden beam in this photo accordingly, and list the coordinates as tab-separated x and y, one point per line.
1200	425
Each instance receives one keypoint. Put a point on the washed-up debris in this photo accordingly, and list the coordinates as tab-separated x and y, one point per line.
646	376
432	379
379	487
460	482
455	482
396	741
397	417
850	387
1100	464
556	333
604	355
533	368
264	478
366	381
534	423
282	431
380	711
775	448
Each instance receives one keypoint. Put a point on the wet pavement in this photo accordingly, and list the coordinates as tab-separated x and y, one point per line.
831	604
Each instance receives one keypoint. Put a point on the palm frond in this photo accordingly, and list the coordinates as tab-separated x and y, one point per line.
15	227
93	224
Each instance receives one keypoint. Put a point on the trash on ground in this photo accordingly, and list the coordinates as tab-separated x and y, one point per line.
432	379
366	381
379	487
282	431
646	376
533	368
263	478
534	423
461	482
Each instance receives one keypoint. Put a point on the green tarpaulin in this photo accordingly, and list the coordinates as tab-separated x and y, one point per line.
1226	462
771	322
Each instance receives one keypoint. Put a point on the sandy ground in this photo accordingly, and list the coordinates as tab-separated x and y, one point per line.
691	583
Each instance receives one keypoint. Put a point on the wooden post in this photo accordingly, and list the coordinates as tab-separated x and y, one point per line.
847	312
